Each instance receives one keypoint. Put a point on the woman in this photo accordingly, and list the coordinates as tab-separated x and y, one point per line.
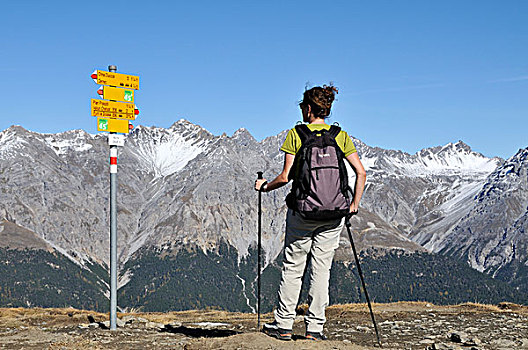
314	238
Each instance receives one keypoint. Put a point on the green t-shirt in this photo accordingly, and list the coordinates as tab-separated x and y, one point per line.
293	141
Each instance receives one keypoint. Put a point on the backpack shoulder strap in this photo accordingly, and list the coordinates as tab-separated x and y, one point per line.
303	131
334	131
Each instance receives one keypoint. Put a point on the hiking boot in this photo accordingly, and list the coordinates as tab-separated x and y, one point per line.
315	336
273	330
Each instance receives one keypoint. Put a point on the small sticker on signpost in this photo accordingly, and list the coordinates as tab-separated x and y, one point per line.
103	124
116	140
129	95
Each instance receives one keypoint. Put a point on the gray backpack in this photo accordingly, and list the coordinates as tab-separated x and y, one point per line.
320	189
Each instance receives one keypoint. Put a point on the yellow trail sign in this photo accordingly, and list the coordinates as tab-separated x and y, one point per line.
117	79
113	109
112	125
118	94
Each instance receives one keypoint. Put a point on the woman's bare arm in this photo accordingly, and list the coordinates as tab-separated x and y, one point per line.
280	180
361	178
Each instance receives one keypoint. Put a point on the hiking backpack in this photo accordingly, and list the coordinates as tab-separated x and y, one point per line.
320	189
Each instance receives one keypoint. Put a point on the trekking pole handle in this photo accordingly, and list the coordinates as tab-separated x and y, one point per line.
348	217
259	175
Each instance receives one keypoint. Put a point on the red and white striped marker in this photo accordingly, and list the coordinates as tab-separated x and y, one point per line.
113	160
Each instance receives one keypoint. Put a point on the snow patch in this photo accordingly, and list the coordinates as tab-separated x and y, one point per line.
369	163
245	295
61	146
123	280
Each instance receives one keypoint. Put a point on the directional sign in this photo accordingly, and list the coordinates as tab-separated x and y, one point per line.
113	109
116	94
116	79
112	125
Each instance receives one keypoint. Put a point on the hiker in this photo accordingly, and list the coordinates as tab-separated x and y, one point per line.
315	238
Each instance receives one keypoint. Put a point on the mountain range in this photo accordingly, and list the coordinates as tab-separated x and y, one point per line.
187	219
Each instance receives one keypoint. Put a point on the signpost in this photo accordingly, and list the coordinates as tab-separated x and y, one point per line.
113	117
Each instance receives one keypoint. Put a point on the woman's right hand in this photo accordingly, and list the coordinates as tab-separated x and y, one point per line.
354	208
258	184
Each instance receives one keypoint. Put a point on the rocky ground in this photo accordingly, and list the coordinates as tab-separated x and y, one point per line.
402	326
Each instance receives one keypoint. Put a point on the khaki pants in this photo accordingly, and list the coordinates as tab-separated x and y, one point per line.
320	239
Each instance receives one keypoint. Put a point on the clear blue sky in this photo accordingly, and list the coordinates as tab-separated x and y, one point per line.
412	74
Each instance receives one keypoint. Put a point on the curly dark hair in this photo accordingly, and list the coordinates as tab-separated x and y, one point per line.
320	99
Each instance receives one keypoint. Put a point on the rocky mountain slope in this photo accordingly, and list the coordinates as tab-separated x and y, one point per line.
493	235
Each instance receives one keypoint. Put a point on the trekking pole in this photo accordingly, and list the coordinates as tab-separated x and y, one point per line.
347	222
259	246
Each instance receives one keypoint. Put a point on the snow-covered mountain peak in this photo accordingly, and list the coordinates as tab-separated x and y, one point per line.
459	146
243	137
16	137
462	145
165	151
11	141
186	128
241	132
451	159
456	158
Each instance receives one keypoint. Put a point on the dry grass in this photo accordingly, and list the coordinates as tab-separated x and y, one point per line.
78	344
12	317
477	307
413	306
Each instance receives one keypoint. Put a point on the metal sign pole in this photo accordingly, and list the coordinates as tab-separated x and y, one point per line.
113	230
113	116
